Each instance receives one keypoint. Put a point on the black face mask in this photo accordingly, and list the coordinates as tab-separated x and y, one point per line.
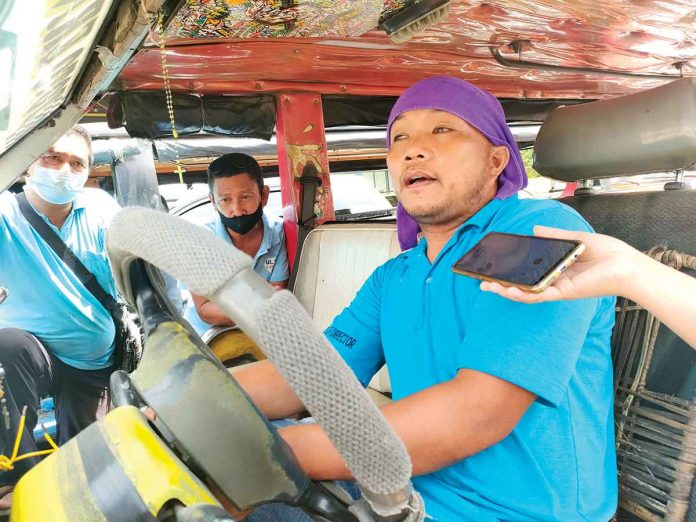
242	224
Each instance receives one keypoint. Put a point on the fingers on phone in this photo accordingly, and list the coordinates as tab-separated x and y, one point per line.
557	233
512	293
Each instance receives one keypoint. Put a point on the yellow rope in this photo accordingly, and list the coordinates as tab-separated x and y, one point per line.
7	464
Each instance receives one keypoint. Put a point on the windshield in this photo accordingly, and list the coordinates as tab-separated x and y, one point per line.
356	195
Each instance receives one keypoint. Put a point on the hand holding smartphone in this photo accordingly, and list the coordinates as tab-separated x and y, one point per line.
529	263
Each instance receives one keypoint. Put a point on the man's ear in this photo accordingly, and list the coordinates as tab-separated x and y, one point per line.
212	199
499	158
264	195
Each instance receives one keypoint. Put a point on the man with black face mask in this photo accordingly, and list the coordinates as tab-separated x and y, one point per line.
56	338
238	195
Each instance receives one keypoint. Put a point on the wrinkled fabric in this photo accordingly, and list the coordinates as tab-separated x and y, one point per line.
46	298
427	323
56	186
479	109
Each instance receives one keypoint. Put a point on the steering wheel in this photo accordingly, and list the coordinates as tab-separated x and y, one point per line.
204	414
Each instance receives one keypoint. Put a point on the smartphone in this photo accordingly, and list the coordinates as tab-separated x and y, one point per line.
530	263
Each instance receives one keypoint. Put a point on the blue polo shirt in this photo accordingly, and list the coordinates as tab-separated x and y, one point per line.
45	297
427	323
270	261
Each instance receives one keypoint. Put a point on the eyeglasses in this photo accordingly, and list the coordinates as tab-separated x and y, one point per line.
58	159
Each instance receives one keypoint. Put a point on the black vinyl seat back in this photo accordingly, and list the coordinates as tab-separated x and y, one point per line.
643	219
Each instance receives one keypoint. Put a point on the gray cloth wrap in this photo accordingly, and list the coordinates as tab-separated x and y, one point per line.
330	391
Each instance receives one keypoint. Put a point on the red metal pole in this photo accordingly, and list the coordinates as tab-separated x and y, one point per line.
569	189
301	141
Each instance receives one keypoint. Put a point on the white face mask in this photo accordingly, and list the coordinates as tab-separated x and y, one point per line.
57	186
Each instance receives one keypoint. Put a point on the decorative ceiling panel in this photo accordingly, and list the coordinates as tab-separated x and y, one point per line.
608	38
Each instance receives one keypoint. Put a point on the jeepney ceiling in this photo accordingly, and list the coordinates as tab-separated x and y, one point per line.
238	46
269	19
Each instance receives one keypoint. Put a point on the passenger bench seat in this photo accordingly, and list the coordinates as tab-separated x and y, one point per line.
334	263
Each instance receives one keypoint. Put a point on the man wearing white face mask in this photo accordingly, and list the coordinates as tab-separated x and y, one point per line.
55	337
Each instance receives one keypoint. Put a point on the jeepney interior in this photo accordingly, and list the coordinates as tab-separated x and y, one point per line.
612	84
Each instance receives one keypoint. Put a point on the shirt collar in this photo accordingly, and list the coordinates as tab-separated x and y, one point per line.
220	229
80	201
268	237
480	220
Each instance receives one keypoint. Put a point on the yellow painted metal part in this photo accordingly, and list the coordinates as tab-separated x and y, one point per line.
58	490
155	471
233	343
196	398
38	495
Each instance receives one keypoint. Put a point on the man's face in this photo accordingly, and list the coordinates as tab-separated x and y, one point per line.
443	169
69	154
238	195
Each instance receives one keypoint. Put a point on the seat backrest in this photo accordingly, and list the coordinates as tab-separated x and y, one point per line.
643	219
334	263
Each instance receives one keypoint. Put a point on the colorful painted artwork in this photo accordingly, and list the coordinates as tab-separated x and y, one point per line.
278	18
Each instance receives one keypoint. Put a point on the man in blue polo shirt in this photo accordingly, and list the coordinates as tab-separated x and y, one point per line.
504	408
55	337
238	195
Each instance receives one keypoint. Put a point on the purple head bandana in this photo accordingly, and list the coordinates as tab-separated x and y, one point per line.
476	107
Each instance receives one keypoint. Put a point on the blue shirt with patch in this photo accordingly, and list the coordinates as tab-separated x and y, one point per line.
427	323
270	261
45	297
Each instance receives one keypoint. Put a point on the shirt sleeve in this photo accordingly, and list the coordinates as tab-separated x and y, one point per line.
537	350
535	347
281	270
355	332
102	209
106	206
